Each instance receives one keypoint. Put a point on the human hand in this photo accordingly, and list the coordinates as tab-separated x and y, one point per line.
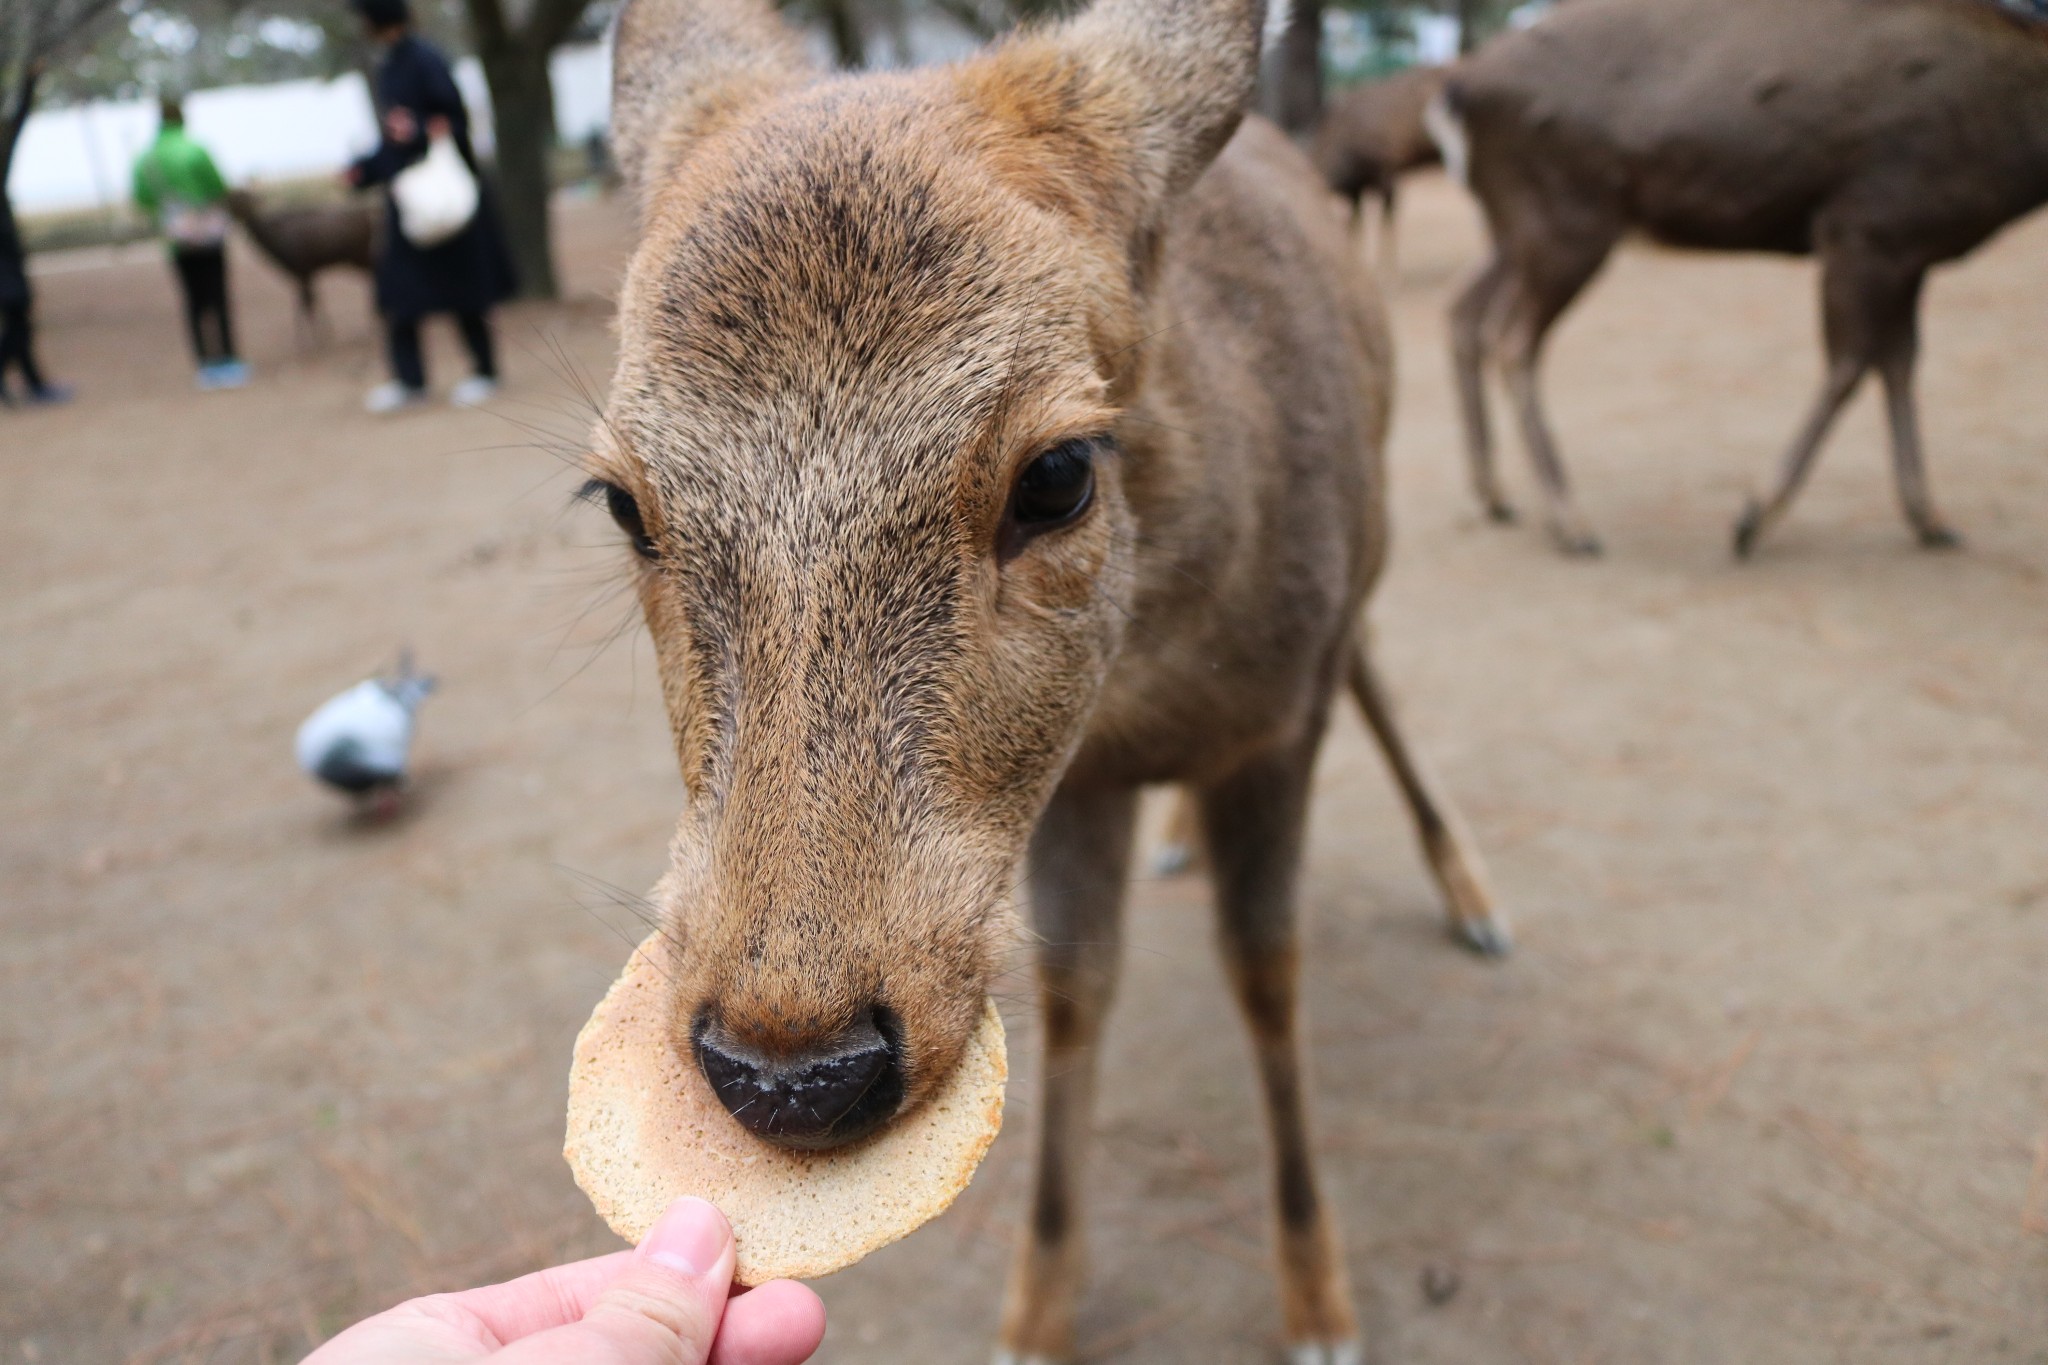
669	1302
400	125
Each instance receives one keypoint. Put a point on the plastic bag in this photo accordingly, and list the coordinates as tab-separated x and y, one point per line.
436	195
189	226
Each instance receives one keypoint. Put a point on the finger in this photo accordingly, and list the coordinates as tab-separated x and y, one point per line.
547	1298
662	1309
779	1323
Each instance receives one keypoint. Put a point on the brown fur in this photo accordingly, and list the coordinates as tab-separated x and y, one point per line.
859	308
304	241
1884	136
1374	134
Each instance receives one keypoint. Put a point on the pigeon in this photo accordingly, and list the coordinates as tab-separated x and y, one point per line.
357	741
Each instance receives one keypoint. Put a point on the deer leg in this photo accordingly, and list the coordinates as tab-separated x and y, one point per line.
305	330
1446	843
1895	369
1079	856
1254	822
1869	302
1844	374
1180	850
1567	526
1472	318
1545	283
1388	249
310	302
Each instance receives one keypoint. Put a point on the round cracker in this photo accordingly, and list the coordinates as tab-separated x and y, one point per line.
645	1129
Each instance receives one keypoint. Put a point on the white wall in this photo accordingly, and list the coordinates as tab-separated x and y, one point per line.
1436	39
583	90
82	156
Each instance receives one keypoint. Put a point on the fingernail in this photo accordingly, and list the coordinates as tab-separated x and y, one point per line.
689	1239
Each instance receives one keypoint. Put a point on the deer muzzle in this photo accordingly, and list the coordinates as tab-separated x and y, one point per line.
812	1096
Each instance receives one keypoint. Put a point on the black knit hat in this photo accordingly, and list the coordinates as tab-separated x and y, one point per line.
383	13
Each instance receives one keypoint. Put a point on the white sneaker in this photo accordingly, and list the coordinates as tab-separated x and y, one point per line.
473	392
392	396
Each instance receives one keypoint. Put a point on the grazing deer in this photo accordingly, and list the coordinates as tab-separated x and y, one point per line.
1373	135
1883	136
305	240
993	440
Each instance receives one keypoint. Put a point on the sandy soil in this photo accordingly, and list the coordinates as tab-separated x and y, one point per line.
1767	1081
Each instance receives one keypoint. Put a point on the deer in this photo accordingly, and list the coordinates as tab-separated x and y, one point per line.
303	241
1884	137
991	442
1370	137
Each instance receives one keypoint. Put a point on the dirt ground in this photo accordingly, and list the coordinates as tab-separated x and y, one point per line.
1767	1080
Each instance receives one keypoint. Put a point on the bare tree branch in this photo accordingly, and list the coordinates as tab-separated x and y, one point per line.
42	29
32	33
13	118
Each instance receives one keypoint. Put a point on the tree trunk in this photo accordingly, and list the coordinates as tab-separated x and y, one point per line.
844	26
13	118
1294	73
523	110
1471	15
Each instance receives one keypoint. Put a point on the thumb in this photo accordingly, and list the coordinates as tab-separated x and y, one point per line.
663	1309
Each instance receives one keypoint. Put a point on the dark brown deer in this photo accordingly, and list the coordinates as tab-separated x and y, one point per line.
993	441
1373	135
303	241
1883	136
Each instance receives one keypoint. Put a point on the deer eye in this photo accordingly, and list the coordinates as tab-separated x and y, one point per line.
1053	491
625	511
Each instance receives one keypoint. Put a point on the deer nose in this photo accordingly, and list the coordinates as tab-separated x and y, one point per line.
809	1098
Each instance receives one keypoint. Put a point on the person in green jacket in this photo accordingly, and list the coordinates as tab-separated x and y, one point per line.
177	185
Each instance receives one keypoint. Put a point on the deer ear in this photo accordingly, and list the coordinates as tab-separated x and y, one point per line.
1118	110
680	68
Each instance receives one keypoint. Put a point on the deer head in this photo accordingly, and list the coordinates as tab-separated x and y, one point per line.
863	443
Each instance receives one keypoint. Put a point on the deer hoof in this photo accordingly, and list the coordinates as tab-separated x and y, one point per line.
1486	937
1012	1358
1748	527
1578	544
1939	537
1350	1352
1500	512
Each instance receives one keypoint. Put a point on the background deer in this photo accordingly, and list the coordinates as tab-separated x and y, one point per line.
303	241
1884	136
1370	137
988	454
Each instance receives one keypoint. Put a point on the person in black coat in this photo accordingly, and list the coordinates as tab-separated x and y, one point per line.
16	340
468	274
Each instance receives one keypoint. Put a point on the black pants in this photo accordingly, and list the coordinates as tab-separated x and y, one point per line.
409	368
14	346
203	271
